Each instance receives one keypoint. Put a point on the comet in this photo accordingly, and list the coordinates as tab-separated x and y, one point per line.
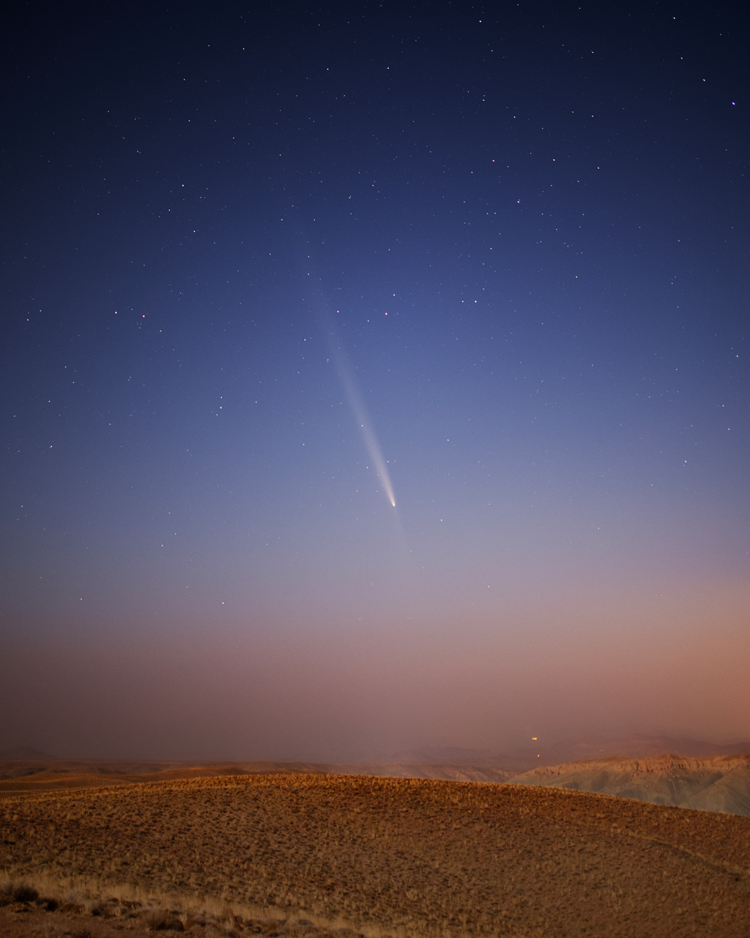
348	383
359	412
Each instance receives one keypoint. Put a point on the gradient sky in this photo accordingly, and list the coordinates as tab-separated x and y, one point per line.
260	263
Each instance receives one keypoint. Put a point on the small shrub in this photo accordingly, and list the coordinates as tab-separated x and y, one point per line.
25	893
163	920
72	907
95	907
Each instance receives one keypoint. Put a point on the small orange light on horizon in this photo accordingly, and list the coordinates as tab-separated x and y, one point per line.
534	738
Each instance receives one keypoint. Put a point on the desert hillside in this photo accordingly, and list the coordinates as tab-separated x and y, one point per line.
388	856
718	784
29	775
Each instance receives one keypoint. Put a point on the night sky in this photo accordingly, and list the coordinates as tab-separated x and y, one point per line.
267	269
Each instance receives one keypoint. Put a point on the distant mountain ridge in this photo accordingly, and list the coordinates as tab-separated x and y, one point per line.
663	770
515	760
719	783
435	755
26	752
713	783
524	758
24	775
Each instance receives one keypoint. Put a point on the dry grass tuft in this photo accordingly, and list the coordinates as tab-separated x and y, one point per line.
163	920
17	892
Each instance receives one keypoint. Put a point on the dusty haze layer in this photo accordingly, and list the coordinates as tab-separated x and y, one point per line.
323	692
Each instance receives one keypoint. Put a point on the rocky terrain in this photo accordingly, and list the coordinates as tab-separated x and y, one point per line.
312	854
718	784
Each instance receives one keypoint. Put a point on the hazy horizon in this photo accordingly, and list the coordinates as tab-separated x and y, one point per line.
220	701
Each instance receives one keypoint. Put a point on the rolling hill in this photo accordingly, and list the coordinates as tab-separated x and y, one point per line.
721	783
300	855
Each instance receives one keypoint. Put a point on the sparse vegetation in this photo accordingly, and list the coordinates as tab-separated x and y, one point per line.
299	855
17	892
163	920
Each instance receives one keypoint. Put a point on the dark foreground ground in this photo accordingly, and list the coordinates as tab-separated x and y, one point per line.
112	920
257	854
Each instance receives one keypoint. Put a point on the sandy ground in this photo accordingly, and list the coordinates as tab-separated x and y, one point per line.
383	856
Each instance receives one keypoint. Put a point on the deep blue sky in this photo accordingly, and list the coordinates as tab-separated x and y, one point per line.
512	240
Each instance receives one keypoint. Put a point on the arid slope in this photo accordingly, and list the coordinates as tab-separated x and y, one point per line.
409	857
718	784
